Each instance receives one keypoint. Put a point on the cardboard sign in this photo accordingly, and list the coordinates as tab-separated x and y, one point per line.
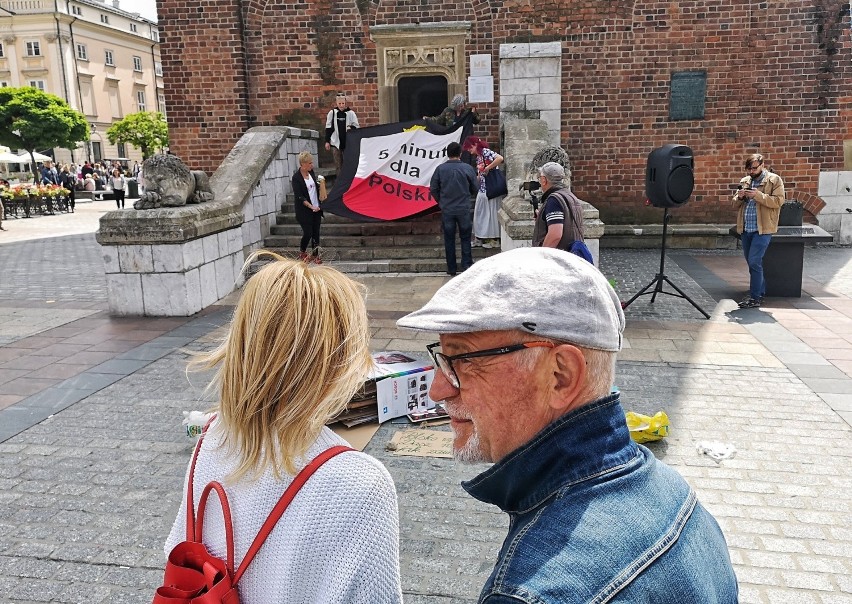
422	443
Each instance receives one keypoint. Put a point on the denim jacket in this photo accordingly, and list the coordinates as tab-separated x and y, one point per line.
595	517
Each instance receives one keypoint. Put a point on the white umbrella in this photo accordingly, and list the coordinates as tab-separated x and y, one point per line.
24	158
10	158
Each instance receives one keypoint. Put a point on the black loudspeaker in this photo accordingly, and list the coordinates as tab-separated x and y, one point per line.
668	177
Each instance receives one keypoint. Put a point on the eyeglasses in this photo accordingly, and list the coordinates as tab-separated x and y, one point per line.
445	362
754	167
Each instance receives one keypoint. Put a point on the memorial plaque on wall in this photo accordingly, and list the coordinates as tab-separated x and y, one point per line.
687	95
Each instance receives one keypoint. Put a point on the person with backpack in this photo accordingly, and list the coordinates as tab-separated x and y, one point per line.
296	352
559	222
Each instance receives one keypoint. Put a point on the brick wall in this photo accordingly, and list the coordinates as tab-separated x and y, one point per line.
778	81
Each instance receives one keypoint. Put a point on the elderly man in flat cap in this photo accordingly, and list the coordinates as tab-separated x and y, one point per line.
526	361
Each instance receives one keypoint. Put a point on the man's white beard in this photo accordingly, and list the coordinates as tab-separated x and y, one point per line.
471	451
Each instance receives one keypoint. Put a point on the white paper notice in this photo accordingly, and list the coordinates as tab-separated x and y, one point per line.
480	89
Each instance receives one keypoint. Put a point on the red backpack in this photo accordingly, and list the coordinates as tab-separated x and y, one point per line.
193	575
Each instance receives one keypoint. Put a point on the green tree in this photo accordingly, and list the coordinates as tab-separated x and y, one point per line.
31	119
146	130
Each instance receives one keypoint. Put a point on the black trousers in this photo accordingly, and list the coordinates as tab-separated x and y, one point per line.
119	198
310	232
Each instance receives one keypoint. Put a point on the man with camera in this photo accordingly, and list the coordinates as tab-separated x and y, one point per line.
559	223
758	199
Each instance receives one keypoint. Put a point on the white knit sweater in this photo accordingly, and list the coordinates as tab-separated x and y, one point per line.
338	541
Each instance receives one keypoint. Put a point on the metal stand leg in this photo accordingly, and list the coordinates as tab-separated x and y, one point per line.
660	278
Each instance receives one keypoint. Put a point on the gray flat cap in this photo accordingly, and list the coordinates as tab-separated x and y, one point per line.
541	291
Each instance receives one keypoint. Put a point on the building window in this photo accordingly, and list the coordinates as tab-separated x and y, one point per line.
133	27
108	60
121	149
105	19
37	84
97	151
76	10
162	99
158	69
2	52
137	63
4	84
155	35
33	49
140	100
82	53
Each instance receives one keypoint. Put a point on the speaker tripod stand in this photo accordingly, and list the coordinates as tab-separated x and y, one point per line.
661	278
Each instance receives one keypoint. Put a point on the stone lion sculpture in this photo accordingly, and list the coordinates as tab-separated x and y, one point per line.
170	183
548	154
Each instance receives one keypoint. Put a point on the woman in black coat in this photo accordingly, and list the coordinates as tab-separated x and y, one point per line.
306	189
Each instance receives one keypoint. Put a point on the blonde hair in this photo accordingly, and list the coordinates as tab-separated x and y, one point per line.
296	352
305	157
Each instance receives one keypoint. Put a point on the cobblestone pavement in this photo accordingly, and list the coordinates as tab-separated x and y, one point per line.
88	492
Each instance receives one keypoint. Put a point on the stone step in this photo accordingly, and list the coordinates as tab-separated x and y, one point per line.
292	237
392	265
343	226
406	253
415	245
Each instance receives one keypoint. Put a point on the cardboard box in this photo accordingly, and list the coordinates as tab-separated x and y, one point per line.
402	384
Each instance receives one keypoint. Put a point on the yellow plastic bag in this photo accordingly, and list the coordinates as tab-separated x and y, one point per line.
644	428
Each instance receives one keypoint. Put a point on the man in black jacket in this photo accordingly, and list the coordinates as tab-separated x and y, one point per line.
452	185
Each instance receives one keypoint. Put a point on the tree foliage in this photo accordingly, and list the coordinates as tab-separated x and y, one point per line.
31	119
146	130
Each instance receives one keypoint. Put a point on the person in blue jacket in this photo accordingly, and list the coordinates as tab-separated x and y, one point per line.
525	367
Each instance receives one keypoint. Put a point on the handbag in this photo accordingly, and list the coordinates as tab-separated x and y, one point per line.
495	183
193	575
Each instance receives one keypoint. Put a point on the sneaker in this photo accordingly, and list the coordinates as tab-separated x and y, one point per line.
750	303
303	256
488	245
316	259
476	243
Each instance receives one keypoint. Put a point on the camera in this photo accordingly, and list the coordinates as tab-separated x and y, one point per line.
534	189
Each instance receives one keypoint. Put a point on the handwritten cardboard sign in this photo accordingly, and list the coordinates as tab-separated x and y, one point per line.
422	443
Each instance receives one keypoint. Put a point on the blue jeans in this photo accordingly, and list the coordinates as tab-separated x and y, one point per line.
465	228
754	247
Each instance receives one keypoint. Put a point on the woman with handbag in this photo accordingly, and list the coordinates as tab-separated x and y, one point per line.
492	189
295	353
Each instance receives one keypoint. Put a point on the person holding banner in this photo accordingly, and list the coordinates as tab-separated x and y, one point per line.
338	122
452	185
455	113
306	189
486	228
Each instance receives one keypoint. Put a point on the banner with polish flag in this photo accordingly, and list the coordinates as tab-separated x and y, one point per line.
387	168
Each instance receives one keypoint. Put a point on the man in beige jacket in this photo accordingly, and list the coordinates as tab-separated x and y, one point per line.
758	199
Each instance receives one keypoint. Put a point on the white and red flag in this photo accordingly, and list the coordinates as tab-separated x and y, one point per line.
386	170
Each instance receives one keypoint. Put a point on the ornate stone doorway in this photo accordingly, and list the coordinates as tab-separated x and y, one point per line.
412	52
419	96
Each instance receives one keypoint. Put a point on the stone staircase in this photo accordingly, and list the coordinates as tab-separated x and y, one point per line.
415	245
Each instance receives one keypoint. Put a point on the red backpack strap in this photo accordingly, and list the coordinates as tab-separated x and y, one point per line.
190	500
276	513
226	512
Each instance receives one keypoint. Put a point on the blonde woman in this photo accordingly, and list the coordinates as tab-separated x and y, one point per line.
296	351
306	190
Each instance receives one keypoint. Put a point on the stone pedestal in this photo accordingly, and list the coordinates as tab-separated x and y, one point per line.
523	139
177	261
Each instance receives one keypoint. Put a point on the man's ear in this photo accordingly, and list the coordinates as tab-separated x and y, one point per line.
569	376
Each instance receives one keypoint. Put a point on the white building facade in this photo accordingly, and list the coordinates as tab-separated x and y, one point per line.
102	60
